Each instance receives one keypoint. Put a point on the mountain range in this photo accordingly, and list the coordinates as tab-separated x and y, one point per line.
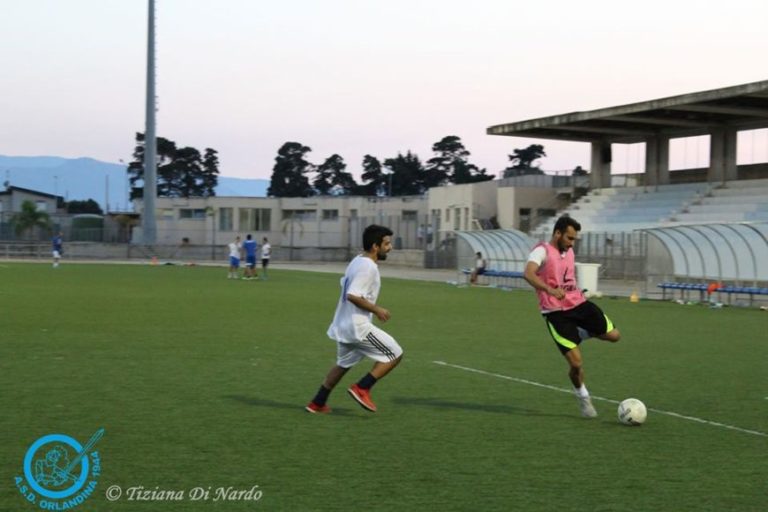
104	182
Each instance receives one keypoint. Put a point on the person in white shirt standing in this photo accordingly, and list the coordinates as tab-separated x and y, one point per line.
234	258
266	254
352	327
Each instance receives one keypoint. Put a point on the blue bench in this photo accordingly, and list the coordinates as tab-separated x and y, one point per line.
497	277
703	287
743	290
684	289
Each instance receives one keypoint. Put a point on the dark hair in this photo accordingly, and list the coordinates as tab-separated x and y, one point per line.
374	234
563	222
478	253
248	237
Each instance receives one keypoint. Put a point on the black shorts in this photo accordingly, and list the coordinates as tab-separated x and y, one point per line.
570	328
264	262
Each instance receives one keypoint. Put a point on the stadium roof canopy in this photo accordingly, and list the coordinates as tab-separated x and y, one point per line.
740	107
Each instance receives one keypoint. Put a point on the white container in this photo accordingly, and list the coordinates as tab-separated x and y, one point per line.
586	277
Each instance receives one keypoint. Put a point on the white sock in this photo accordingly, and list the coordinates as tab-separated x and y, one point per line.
581	392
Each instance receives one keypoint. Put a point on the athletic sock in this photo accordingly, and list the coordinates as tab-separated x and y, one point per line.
581	392
322	396
367	381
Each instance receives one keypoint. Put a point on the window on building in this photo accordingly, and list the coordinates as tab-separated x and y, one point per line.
331	215
410	215
457	218
41	206
353	213
545	212
192	213
303	215
255	219
225	219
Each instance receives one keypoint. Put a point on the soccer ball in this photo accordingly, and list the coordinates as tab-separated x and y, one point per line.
632	412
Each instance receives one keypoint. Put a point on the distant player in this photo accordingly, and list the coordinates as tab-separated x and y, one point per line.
266	254
570	317
58	248
234	258
355	335
250	246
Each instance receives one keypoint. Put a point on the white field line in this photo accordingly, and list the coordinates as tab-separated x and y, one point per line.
570	392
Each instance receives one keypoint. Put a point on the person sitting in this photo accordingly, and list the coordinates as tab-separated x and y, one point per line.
479	270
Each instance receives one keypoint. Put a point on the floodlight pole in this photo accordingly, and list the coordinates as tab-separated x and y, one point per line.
149	225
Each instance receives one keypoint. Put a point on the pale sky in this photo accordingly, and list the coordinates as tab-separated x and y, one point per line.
358	77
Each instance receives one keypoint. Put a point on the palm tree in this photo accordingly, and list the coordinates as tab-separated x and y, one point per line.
29	217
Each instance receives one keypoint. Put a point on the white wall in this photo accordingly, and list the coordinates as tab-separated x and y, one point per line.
478	200
511	199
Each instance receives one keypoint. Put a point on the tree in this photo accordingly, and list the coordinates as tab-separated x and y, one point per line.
332	179
451	164
322	182
408	175
29	218
88	206
181	172
374	176
289	173
210	175
185	173
522	161
343	182
578	171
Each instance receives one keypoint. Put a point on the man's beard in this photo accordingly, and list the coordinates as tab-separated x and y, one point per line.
382	256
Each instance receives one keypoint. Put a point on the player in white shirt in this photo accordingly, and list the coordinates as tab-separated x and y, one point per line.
234	258
266	254
352	328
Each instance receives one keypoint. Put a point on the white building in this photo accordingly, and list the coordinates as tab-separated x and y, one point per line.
337	221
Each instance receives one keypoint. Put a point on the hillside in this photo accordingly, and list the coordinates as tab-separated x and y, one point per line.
87	178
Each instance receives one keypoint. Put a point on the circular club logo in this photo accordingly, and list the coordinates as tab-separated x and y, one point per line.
59	472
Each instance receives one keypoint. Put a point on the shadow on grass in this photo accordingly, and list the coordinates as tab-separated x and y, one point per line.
439	403
274	404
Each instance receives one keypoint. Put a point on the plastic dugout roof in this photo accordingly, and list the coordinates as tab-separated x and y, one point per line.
731	251
505	249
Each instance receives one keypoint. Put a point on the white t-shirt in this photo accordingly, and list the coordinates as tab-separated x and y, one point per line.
266	251
362	279
234	250
538	255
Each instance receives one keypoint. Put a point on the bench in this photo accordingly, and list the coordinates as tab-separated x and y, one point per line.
684	289
743	290
500	278
703	288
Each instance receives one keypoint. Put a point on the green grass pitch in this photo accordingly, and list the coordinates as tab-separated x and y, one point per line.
200	381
